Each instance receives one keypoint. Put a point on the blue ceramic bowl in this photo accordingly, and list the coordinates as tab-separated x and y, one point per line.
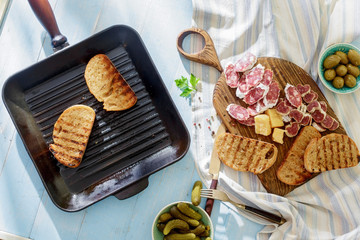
157	235
343	47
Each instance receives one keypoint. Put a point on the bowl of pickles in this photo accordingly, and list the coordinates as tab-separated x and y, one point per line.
183	221
338	68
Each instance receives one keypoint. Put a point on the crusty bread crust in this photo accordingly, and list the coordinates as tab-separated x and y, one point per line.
108	85
71	134
330	152
292	170
245	154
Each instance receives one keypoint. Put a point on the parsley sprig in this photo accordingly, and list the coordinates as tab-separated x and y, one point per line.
187	86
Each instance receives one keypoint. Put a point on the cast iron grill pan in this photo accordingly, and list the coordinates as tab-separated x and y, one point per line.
118	139
124	148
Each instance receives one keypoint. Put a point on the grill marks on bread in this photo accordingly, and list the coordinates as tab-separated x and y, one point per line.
332	151
245	154
71	134
292	170
108	85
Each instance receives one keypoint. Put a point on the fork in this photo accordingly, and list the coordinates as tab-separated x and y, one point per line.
222	196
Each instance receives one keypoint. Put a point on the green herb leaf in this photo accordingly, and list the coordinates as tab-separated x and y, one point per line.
185	87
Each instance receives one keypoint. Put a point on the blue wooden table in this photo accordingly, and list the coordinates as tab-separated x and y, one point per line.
25	207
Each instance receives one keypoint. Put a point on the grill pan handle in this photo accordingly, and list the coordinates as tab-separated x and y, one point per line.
44	13
132	189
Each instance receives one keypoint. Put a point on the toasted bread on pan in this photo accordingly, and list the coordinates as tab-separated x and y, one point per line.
330	152
71	135
245	154
108	85
292	170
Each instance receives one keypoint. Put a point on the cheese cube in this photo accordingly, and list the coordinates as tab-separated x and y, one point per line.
262	125
275	118
278	135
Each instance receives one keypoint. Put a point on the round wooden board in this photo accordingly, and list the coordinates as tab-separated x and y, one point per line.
284	72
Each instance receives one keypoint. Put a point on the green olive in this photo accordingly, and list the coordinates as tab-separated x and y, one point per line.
343	56
353	70
329	74
331	61
354	57
341	70
350	80
338	82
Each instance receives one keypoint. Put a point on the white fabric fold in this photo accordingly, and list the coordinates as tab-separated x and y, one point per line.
326	207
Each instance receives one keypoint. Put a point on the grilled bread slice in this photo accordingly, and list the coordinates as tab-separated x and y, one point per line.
245	154
71	135
330	152
108	85
292	170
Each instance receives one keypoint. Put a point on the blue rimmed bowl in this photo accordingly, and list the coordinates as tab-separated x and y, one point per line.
157	235
343	47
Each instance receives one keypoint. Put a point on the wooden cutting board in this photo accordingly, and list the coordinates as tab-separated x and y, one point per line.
284	72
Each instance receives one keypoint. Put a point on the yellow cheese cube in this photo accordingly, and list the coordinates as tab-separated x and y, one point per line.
275	118
278	135
262	125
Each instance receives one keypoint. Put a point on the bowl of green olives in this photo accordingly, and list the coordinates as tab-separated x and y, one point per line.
338	68
182	220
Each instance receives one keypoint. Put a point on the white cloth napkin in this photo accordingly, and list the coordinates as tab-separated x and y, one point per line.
328	206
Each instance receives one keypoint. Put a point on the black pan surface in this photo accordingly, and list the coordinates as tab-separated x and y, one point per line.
124	147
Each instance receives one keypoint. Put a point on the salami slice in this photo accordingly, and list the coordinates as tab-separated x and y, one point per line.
292	129
255	94
248	122
255	75
296	115
246	62
323	105
314	105
272	97
238	112
318	127
311	96
282	108
231	76
303	89
318	115
252	110
334	126
242	87
293	95
327	122
267	77
306	120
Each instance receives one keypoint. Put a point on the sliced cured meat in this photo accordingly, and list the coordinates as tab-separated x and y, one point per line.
248	122
255	75
232	78
293	95
238	112
327	122
314	105
242	87
257	108
334	126
306	120
252	110
318	127
272	97
246	62
318	115
292	129
255	94
311	96
296	115
282	108
303	89
268	77
323	105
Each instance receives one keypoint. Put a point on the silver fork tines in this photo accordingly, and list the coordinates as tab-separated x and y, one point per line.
222	196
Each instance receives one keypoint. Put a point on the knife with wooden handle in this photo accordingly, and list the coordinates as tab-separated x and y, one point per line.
214	169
